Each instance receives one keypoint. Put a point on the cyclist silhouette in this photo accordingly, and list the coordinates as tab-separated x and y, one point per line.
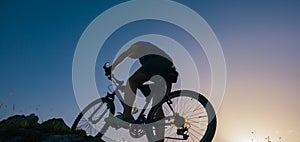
154	61
184	109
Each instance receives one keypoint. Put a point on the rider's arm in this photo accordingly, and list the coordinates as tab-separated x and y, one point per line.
131	52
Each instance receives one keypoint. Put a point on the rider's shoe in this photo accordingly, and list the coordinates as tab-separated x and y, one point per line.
121	120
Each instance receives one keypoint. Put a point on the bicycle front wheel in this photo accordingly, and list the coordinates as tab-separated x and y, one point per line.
189	116
92	117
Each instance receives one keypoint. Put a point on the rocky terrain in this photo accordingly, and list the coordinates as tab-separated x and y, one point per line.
20	128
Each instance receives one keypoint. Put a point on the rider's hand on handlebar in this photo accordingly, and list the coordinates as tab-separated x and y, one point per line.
107	70
108	73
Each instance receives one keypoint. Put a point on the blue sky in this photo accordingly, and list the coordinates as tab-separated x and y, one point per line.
260	40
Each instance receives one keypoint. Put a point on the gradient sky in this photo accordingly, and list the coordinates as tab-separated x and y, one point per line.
260	40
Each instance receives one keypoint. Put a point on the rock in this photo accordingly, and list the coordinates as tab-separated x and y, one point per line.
20	121
61	138
20	128
70	138
55	126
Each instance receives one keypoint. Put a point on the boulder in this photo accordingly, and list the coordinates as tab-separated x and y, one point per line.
20	128
20	121
55	126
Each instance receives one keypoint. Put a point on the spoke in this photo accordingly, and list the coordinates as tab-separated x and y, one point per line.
95	110
81	126
195	114
188	103
203	121
174	108
197	121
181	106
184	104
168	130
82	121
195	109
167	108
195	117
193	136
198	131
190	106
197	126
173	134
194	121
99	118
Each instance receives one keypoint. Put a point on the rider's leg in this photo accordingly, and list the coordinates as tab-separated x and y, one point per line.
137	79
160	131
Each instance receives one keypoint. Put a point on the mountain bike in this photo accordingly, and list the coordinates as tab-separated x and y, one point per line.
188	115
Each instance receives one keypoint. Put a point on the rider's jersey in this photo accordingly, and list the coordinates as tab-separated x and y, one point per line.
147	52
148	58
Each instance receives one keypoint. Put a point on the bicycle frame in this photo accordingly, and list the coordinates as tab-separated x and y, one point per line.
117	92
141	119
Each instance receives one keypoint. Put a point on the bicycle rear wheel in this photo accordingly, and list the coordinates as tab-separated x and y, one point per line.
194	117
91	119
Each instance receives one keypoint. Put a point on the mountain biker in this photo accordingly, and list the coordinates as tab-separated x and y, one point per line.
154	61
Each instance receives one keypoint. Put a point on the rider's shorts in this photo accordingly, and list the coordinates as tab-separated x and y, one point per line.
159	66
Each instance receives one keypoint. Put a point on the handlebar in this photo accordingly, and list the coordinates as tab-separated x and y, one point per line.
107	70
110	76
